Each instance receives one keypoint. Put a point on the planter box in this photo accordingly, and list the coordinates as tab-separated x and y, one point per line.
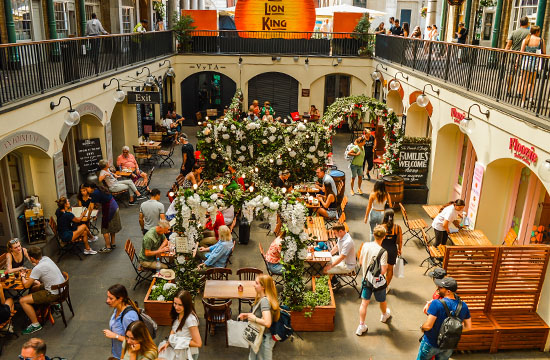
322	318
158	310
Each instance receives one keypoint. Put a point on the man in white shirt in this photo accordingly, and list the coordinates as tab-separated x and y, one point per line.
170	126
343	255
48	274
369	253
151	211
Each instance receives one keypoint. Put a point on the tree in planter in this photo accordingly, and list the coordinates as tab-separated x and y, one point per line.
183	25
361	32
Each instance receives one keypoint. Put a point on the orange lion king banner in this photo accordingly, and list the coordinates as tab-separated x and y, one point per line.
275	16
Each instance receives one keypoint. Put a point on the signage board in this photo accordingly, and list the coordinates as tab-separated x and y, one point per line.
59	170
275	16
305	92
88	154
457	115
143	97
525	153
23	138
475	193
139	120
414	163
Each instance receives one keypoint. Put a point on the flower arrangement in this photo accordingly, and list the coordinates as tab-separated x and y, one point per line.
163	290
424	12
393	136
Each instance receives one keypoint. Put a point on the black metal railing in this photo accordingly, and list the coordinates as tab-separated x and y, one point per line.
509	77
36	67
278	43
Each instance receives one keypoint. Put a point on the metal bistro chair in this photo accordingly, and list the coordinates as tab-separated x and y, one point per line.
141	273
350	279
277	278
247	274
65	247
415	227
166	155
435	254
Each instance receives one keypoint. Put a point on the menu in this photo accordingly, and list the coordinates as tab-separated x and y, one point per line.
414	163
88	153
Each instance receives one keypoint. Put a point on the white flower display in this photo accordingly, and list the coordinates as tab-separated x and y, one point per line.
243	148
266	201
233	128
264	141
238	152
272	129
180	259
206	131
291	248
225	136
168	286
214	197
208	140
292	153
272	138
213	156
314	160
301	127
161	298
274	205
312	148
241	158
279	162
302	254
321	153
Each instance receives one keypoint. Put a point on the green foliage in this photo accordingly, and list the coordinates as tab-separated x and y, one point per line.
188	276
319	297
486	3
361	32
182	26
158	6
158	291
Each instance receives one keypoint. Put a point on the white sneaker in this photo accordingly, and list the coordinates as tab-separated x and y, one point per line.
386	316
93	239
361	329
90	252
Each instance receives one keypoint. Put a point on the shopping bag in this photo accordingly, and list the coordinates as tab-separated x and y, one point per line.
235	331
254	335
399	269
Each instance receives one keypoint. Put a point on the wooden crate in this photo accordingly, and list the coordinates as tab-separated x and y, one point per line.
158	310
322	318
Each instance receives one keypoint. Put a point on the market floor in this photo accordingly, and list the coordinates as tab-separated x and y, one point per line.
83	338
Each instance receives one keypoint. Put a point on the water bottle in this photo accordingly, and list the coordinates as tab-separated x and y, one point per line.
158	266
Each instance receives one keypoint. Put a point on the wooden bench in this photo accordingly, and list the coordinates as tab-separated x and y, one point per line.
501	286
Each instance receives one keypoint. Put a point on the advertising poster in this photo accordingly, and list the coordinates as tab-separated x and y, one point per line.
475	193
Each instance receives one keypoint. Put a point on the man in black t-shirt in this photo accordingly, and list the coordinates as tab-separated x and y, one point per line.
369	154
187	154
396	30
282	180
461	34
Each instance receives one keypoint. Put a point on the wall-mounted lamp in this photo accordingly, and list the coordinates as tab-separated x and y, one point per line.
544	171
307	61
72	117
276	58
423	100
296	58
376	75
119	93
394	83
170	72
240	60
467	125
338	62
150	81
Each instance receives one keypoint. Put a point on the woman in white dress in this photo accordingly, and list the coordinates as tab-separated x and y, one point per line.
184	340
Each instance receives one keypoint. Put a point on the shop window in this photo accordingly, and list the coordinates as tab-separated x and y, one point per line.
127	20
65	18
521	8
488	26
336	86
360	3
21	12
16	179
92	7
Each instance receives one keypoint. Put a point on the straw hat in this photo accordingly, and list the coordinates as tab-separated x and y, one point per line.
167	274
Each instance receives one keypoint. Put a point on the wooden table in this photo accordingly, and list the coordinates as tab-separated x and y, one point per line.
470	238
306	189
15	285
228	289
316	229
152	145
432	210
125	173
316	265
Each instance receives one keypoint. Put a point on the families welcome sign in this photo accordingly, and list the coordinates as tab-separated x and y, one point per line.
275	16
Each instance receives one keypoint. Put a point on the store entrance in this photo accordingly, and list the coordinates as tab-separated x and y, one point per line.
70	167
5	224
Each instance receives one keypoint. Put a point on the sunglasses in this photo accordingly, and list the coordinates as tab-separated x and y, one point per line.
27	358
14	241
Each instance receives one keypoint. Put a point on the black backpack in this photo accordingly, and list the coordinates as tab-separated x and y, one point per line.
451	328
282	329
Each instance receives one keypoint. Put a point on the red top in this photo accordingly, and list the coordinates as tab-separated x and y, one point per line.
436	295
219	222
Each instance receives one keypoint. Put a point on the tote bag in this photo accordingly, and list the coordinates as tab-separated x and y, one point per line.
235	331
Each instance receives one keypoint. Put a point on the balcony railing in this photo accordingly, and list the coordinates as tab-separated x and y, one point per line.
277	43
510	77
33	68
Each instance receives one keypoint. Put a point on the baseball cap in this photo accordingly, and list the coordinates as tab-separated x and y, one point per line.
183	135
448	283
437	273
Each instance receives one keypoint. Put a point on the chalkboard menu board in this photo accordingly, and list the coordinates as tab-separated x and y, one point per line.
88	153
414	163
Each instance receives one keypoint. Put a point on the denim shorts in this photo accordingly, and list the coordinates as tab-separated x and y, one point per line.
379	295
356	170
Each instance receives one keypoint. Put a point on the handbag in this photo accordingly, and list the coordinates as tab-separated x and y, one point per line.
235	331
399	269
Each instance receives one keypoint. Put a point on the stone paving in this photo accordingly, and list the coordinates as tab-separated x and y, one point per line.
398	339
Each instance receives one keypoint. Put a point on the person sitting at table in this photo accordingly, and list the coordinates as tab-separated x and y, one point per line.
115	185
267	115
273	255
151	211
210	233
15	257
343	255
252	116
110	220
328	208
324	179
216	255
67	230
282	180
194	177
178	120
83	197
267	110
154	244
256	106
449	213
170	125
314	113
128	161
6	307
48	274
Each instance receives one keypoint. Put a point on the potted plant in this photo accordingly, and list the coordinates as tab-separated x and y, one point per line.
318	308
183	25
159	300
361	32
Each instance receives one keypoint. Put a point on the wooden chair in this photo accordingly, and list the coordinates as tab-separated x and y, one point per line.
218	273
142	274
511	238
341	220
341	212
65	247
120	196
141	153
248	274
3	261
155	136
142	184
166	155
63	297
216	314
277	278
435	254
230	255
415	227
5	332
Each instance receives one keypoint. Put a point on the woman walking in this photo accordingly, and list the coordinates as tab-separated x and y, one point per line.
356	166
377	203
184	337
265	311
393	243
124	314
138	344
534	44
449	213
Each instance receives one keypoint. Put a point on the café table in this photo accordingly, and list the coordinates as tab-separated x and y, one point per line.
316	229
124	172
14	283
315	264
228	289
152	148
432	210
306	188
470	238
90	219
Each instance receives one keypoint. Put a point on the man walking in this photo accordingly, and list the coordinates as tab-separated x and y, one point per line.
34	349
437	313
94	27
370	252
514	41
187	154
151	211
